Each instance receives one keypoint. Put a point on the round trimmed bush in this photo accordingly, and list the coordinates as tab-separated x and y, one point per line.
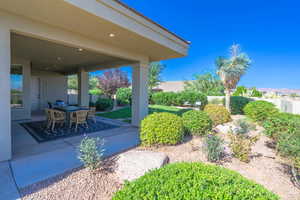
161	129
218	113
259	111
197	122
182	181
124	96
237	104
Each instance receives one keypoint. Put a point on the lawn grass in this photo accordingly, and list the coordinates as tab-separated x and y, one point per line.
126	112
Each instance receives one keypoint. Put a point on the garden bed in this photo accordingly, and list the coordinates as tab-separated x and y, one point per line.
265	167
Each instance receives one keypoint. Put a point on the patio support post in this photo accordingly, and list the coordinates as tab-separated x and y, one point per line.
5	113
83	88
139	92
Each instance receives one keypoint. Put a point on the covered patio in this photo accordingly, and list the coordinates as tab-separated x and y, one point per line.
42	42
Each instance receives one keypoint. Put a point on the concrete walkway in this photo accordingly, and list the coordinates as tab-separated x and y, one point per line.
42	161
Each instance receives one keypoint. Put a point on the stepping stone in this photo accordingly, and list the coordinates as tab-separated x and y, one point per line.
133	164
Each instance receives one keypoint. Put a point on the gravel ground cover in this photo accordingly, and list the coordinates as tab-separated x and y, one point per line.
265	168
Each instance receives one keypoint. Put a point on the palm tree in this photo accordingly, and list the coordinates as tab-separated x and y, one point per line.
230	70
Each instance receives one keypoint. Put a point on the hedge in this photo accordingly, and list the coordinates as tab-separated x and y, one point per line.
237	104
187	181
104	104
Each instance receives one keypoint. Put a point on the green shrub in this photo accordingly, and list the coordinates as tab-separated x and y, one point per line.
213	148
164	98
259	111
124	96
161	129
237	104
91	152
188	181
219	114
288	144
104	104
281	123
191	98
243	127
197	122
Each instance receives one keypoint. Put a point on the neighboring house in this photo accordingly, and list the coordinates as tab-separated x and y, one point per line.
42	42
171	86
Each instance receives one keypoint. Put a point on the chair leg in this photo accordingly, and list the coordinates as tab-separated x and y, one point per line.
53	126
94	118
76	127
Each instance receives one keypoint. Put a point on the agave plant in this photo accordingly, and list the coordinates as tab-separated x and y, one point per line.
230	70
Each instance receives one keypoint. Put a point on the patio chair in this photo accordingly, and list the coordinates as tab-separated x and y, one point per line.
57	117
92	114
48	117
79	118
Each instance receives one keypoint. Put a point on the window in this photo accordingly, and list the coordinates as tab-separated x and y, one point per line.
16	81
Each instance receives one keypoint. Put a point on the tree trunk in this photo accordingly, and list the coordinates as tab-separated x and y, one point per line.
227	99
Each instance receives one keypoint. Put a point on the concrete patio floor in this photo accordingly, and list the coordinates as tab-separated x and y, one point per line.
34	162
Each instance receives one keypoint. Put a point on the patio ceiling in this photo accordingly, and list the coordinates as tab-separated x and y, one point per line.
49	56
97	19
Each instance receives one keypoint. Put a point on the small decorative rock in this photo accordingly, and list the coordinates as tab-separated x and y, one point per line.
133	164
224	128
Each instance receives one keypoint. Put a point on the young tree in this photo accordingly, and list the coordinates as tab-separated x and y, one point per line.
208	84
230	70
111	80
155	70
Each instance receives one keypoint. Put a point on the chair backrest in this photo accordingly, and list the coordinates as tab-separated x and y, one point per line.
57	115
81	116
92	111
50	105
48	113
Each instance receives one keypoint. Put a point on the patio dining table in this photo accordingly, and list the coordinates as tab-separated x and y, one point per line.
68	110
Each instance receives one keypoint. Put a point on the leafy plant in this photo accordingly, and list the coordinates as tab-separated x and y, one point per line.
240	91
90	152
124	96
161	129
288	144
237	104
259	111
155	70
104	104
164	98
217	113
255	93
183	181
207	84
197	122
111	80
281	123
231	70
214	148
243	127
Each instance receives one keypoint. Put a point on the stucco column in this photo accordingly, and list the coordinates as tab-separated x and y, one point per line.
139	92
83	88
5	115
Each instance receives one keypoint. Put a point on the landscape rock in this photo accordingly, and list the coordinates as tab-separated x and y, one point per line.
133	164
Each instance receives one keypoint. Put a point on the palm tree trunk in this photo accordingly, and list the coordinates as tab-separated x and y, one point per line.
227	99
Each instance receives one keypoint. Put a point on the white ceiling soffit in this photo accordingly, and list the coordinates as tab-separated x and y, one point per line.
98	19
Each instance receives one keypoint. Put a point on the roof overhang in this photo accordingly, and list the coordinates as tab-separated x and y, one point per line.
98	19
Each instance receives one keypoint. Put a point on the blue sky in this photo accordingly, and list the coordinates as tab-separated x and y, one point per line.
268	30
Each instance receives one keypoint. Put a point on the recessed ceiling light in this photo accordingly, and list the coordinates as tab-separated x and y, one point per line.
58	58
80	49
111	35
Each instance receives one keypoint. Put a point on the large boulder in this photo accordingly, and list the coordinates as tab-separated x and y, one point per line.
133	164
